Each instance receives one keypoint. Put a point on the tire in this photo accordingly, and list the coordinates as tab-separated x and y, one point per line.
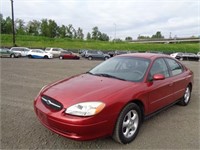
90	58
29	56
46	57
128	124
60	57
186	97
106	58
12	56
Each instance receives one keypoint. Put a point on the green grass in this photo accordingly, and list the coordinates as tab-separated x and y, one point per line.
43	42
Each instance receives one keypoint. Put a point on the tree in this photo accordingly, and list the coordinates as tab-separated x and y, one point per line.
3	24
33	27
88	36
158	35
80	34
143	37
19	26
128	38
95	33
6	26
62	31
44	28
74	33
104	37
52	27
69	31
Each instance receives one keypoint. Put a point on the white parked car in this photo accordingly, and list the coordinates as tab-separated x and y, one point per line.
55	51
174	55
22	50
38	53
198	54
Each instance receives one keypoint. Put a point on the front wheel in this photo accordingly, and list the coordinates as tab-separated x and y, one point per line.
128	124
186	97
90	58
12	56
106	58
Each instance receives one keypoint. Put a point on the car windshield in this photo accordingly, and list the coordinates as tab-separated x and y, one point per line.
122	68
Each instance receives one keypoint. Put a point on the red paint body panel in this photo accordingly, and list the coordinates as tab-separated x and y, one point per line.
116	94
70	56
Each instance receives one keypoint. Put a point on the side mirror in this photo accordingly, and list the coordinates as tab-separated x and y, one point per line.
158	77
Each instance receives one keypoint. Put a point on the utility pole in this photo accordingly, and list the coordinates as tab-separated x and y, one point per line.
13	25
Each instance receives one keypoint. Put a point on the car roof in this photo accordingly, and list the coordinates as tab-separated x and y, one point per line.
145	55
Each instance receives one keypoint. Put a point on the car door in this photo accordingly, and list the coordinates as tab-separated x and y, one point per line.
56	52
4	53
178	77
99	55
160	91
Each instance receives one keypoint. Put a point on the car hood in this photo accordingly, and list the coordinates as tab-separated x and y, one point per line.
85	87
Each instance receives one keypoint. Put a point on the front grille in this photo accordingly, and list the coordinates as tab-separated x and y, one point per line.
51	103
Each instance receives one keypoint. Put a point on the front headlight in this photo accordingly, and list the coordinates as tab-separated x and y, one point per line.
85	108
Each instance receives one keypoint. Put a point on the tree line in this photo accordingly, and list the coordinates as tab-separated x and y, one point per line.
49	28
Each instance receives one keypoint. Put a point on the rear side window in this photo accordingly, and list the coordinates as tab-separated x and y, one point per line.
55	49
175	67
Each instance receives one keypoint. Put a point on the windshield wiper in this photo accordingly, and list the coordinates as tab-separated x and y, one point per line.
109	76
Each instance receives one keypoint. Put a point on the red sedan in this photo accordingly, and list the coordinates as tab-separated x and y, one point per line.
68	55
115	97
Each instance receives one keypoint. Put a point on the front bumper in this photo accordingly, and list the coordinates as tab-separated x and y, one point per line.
78	128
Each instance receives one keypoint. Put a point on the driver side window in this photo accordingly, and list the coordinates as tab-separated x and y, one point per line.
159	67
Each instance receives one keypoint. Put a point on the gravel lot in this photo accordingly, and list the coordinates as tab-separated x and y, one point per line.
21	79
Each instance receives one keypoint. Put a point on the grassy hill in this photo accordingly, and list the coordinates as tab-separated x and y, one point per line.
43	42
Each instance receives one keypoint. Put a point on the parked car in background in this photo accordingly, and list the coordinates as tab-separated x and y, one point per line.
55	51
198	54
4	52
185	56
68	55
111	53
120	52
115	97
38	53
155	52
81	51
22	50
92	54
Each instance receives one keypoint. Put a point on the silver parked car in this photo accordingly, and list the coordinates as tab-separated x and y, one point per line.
22	50
92	54
4	52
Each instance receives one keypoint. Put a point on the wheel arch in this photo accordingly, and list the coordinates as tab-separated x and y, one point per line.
190	85
141	105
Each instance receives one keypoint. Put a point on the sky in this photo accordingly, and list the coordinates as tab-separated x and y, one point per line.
116	18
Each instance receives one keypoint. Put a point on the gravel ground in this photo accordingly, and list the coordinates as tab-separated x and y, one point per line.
21	80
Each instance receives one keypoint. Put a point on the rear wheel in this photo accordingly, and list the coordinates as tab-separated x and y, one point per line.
90	57
128	124
46	57
60	57
186	97
12	56
29	56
